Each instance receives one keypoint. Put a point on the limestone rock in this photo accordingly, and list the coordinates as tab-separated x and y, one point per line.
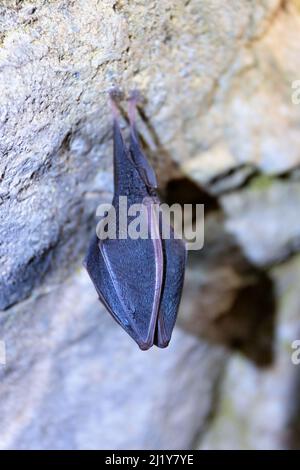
74	380
207	77
263	219
259	408
218	119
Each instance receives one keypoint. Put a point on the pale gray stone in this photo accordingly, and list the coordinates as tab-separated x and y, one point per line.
74	380
216	78
264	220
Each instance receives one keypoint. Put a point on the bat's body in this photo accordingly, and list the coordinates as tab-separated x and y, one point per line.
138	280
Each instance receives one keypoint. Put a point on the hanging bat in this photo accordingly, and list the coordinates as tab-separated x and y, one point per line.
138	280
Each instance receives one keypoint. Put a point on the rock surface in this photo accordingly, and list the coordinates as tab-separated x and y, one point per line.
275	203
220	127
270	395
87	384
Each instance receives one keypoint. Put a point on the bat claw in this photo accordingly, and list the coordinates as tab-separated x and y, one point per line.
135	96
116	94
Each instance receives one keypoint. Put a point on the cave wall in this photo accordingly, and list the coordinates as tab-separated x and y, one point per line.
220	126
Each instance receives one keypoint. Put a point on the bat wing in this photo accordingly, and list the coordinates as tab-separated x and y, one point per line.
174	253
135	270
174	263
130	292
97	270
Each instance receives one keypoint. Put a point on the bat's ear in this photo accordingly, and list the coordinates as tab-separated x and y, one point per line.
143	166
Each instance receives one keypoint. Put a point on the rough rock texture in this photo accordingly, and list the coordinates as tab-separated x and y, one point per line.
87	384
270	201
259	409
220	127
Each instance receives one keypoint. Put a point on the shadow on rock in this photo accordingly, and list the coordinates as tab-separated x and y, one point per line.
226	299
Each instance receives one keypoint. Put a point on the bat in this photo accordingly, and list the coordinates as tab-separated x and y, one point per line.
139	281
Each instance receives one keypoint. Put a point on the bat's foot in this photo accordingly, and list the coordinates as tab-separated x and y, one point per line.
135	97
116	94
